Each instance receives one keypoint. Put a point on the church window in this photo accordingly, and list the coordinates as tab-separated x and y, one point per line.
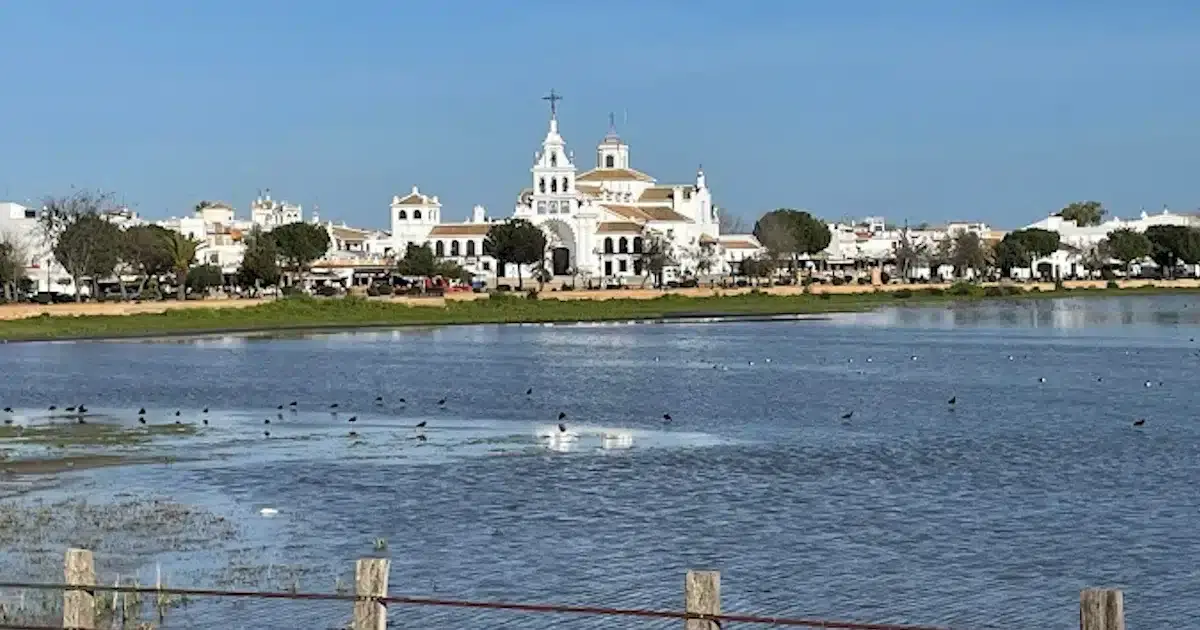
637	245
687	194
622	265
565	188
453	248
553	185
470	248
487	265
402	215
608	245
439	249
541	207
623	245
608	267
553	158
416	214
609	161
542	185
637	267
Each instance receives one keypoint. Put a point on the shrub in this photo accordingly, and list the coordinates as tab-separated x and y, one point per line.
993	291
837	282
1010	289
531	294
1035	289
863	280
372	291
291	292
885	277
902	294
1112	284
962	288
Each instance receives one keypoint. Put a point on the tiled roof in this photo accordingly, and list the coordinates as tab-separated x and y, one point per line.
461	229
415	199
740	245
614	175
623	227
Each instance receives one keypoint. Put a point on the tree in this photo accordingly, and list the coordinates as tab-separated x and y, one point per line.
418	261
13	255
656	257
451	270
1171	244
1084	213
516	242
260	261
1009	255
203	277
969	253
144	252
909	254
730	223
1127	245
1028	245
299	244
1096	257
792	233
943	254
88	246
182	252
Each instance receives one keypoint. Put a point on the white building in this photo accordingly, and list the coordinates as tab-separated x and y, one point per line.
598	222
1077	241
269	213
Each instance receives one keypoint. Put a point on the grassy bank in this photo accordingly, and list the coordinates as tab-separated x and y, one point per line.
302	313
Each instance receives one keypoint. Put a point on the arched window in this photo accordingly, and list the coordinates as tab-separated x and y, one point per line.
608	245
453	248
637	245
402	215
553	158
609	161
470	248
623	245
542	185
565	188
416	214
553	185
439	249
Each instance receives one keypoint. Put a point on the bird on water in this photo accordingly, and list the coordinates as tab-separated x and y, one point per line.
352	419
421	424
562	428
667	417
1139	422
442	402
8	410
142	411
847	415
953	399
562	415
529	392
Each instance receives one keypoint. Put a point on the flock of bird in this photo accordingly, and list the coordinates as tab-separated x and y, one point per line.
79	412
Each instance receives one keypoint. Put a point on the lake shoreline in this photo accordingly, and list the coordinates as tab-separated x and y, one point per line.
325	315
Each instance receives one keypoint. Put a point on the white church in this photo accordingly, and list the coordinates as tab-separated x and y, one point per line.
597	222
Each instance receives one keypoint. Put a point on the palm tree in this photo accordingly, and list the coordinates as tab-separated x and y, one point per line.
182	252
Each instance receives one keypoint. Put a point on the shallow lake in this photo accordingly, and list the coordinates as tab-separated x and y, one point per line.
990	513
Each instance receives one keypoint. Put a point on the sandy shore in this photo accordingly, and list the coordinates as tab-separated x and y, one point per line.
23	311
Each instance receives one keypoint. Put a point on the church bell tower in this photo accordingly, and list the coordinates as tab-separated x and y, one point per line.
553	169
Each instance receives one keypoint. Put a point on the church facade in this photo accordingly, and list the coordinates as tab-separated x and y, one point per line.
599	222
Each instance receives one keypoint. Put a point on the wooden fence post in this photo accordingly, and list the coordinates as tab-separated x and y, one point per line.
702	594
370	580
1101	609
79	606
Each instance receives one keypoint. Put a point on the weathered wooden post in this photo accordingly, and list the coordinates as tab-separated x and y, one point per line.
79	606
702	594
370	581
1101	609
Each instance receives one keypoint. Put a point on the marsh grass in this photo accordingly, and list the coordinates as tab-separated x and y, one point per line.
73	434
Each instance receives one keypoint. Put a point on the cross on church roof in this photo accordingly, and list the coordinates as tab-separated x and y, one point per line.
554	98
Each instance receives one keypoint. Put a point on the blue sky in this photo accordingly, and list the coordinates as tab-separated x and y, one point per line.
919	110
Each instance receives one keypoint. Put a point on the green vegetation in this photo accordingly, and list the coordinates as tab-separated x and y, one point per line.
517	242
301	313
72	434
1084	213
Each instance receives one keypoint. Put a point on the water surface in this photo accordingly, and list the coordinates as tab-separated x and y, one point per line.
993	512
